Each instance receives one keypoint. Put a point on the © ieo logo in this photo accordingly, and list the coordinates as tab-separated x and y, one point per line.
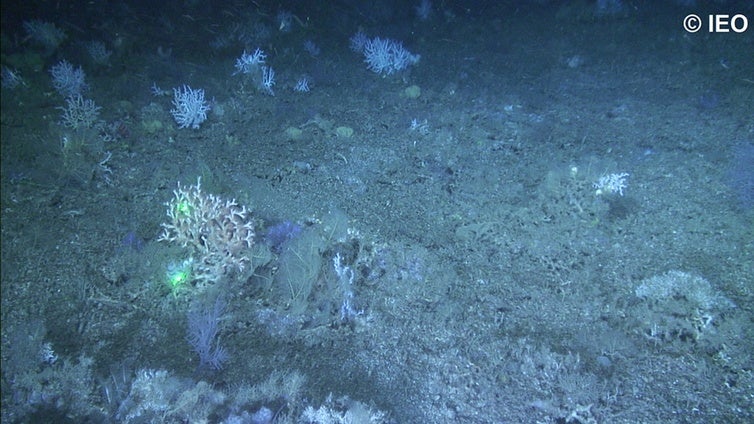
717	23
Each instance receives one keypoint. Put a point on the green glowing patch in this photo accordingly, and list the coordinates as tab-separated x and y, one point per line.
180	273
178	278
183	208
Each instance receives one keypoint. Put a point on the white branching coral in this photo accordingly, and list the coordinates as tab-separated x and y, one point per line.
612	183
190	107
250	62
79	113
219	231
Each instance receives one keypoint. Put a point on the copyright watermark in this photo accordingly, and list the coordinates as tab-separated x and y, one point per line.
720	23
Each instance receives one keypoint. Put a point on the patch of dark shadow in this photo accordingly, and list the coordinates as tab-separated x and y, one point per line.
621	207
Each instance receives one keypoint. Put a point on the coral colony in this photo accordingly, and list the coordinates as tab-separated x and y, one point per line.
386	56
67	80
218	231
358	41
98	52
190	108
157	91
311	48
44	33
79	112
610	184
11	78
282	294
254	65
249	62
423	10
203	329
268	80
302	85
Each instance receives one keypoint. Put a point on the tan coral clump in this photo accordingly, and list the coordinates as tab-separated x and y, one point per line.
219	231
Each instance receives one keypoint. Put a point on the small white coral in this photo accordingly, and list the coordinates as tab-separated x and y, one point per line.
11	78
358	41
612	183
302	85
268	80
47	354
248	62
98	52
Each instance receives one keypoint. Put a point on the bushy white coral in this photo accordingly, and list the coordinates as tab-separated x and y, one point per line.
67	80
79	113
386	56
249	62
358	41
98	52
343	411
190	107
